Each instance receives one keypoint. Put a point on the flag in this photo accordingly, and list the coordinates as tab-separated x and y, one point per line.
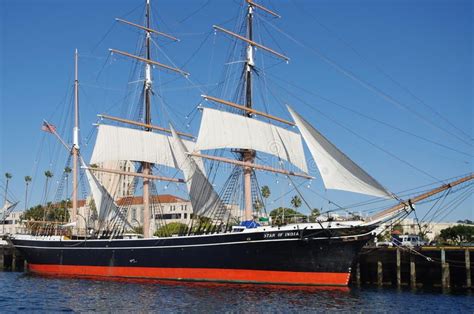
48	127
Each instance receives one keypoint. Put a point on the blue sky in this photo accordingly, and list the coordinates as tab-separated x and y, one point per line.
426	46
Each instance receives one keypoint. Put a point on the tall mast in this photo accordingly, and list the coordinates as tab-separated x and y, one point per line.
146	166
75	143
248	155
147	90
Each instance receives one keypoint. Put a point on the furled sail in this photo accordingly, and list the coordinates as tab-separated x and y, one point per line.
204	199
220	129
107	210
337	170
119	143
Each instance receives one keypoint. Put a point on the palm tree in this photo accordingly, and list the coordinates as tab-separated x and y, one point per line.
315	212
67	171
27	183
48	174
295	202
8	176
265	193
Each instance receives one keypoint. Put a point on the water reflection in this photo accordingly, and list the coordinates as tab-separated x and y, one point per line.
24	292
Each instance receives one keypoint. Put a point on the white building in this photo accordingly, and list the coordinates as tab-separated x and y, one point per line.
166	208
12	224
432	229
410	226
117	185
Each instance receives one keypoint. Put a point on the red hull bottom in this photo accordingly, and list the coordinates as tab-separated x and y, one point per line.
198	274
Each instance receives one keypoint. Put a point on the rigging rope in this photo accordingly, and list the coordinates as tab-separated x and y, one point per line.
380	70
366	84
345	107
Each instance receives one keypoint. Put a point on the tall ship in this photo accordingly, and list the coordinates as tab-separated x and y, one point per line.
231	237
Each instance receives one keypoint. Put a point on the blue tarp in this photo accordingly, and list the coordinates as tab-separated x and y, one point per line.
250	224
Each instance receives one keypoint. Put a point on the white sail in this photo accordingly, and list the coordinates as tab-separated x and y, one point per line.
221	129
106	208
337	170
204	199
117	143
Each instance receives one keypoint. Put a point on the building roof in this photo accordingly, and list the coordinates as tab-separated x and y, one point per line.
160	199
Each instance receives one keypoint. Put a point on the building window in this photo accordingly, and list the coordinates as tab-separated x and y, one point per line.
185	216
168	216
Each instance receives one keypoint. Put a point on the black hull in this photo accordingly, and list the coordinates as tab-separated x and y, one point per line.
284	257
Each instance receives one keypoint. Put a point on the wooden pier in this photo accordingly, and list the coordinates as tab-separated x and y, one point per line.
443	267
11	259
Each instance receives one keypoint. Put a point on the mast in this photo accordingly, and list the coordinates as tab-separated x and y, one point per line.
147	166
75	143
147	91
248	156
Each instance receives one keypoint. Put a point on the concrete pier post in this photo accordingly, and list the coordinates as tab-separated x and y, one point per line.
468	268
379	273
399	270
412	272
445	278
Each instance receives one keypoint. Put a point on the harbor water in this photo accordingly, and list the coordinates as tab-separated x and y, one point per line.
25	292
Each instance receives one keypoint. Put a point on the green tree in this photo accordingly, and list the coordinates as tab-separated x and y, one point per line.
265	190
315	213
50	212
27	184
257	205
296	202
8	176
67	171
138	230
282	215
397	227
458	234
93	210
48	174
171	229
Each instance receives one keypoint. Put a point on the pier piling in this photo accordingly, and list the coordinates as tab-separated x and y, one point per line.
445	278
412	272
399	269
468	268
379	273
